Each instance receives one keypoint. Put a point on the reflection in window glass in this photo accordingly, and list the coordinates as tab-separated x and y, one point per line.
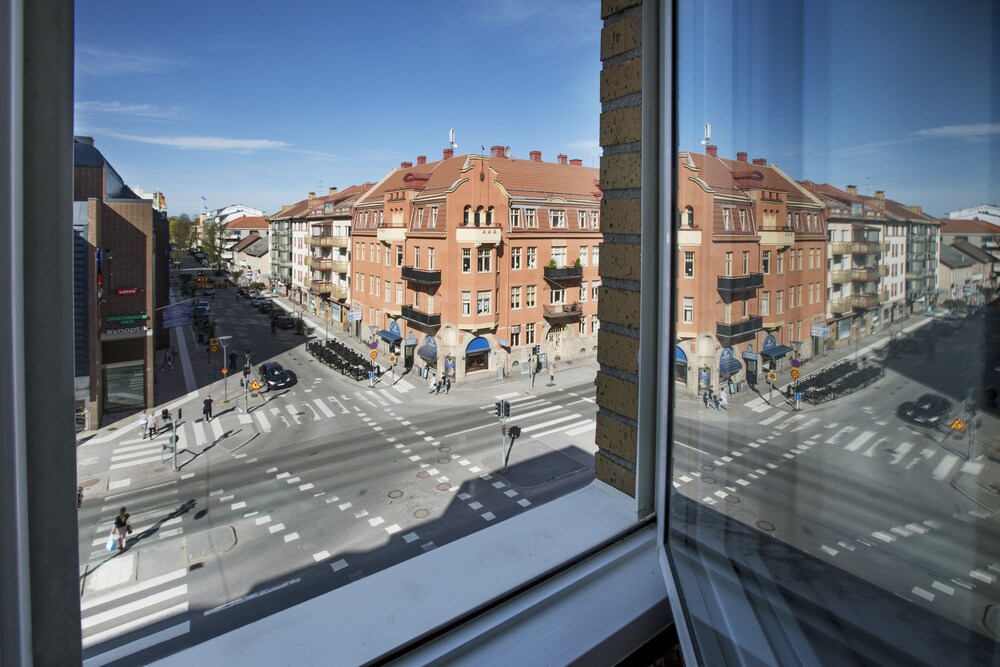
844	449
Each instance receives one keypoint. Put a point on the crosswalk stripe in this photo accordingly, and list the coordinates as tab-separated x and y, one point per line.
402	386
561	428
501	397
539	412
858	442
374	394
199	433
551	422
139	644
900	451
343	408
773	418
322	407
138	462
137	588
146	601
388	394
135	455
216	425
262	421
583	429
132	448
943	468
293	412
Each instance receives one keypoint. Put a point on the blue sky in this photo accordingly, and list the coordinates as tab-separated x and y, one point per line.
260	102
893	95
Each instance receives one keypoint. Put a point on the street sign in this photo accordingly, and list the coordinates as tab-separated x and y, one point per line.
373	345
255	386
374	354
214	342
225	370
214	348
772	376
795	373
796	363
371	375
798	396
819	330
392	358
957	425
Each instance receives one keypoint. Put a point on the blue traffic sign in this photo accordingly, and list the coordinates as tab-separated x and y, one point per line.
798	396
371	375
373	345
796	363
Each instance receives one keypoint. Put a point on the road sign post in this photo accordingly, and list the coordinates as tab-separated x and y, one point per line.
392	368
771	379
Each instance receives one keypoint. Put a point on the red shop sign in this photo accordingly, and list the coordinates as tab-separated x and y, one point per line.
127	291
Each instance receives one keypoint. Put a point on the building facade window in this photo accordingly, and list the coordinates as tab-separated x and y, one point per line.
529	296
483	263
515	335
430	258
434	216
765	303
778	302
466	260
466	303
483	302
515	297
399	255
729	264
727	222
688	312
532	257
745	265
689	264
557	219
595	255
559	255
765	262
557	296
529	333
530	218
515	258
515	217
583	290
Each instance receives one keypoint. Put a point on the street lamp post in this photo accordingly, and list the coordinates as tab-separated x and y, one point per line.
225	375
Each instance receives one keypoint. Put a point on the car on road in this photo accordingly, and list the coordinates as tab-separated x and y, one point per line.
257	300
274	376
209	291
928	410
285	322
265	306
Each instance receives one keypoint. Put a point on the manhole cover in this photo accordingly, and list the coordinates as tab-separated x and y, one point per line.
708	480
733	499
444	450
87	482
764	525
443	486
443	460
423	474
421	513
708	467
396	493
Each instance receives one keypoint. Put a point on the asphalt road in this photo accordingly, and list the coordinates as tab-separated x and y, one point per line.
851	483
320	484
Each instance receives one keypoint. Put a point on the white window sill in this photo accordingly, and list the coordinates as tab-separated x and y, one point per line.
605	606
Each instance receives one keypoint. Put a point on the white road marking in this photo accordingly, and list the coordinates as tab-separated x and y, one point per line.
773	418
574	425
858	442
922	593
200	438
901	451
551	422
322	555
217	431
388	395
294	412
139	644
262	421
829	550
971	468
944	468
982	576
583	429
89	603
944	588
140	462
125	609
885	537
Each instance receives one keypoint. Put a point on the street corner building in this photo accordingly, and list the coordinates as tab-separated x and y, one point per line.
121	263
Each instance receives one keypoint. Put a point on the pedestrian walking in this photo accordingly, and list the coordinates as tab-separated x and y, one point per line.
166	361
151	425
447	385
723	401
142	425
122	529
206	408
431	385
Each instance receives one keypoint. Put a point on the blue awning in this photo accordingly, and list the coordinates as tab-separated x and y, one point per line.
730	366
679	355
428	353
776	352
388	336
478	345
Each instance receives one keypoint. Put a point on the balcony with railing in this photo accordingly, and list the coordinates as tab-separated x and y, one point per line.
866	301
327	241
733	332
476	235
749	282
858	248
339	292
320	286
417	316
554	312
782	236
422	276
391	234
563	273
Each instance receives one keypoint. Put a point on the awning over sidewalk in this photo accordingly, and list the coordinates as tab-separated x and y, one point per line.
428	351
730	366
776	352
389	336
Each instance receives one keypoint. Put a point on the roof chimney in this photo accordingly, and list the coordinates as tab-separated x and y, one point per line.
535	155
576	162
447	153
712	150
496	151
421	159
405	165
741	156
852	190
760	161
915	209
880	195
561	158
333	191
312	195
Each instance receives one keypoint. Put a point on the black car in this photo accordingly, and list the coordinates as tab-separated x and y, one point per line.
285	322
274	376
928	410
265	306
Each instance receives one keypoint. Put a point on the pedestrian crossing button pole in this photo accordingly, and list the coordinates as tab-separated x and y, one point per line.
173	437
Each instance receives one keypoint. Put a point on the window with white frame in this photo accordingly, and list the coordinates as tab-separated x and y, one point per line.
466	260
584	255
557	296
483	263
434	216
515	297
689	264
515	217
529	296
515	258
529	333
515	335
466	303
483	302
532	257
388	292
595	288
583	290
530	218
688	311
557	218
559	255
581	219
595	255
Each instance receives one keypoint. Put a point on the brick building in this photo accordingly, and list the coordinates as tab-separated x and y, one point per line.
120	249
468	262
751	269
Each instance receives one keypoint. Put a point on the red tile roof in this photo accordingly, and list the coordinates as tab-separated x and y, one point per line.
957	226
248	222
736	177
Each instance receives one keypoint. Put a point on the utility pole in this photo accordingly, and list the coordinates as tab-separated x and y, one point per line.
503	414
225	371
970	420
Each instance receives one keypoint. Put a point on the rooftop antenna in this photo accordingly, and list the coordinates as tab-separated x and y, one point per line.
506	151
708	134
451	139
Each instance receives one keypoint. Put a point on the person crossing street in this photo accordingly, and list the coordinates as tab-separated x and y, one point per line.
206	408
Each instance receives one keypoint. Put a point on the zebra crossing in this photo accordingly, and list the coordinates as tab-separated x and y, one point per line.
534	416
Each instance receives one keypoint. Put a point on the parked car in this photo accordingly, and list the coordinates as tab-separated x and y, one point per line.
274	376
209	291
928	410
285	322
265	306
257	300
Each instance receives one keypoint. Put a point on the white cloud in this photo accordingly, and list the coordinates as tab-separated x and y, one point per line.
591	146
118	109
974	133
95	61
207	143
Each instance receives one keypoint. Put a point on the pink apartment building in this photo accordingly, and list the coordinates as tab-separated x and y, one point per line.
479	265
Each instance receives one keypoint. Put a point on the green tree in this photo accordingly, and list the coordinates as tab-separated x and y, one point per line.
183	231
214	243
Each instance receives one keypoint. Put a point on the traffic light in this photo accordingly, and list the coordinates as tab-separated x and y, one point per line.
537	349
773	365
515	432
499	407
505	406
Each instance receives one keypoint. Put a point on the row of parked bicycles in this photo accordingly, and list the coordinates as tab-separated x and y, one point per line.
341	357
838	380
